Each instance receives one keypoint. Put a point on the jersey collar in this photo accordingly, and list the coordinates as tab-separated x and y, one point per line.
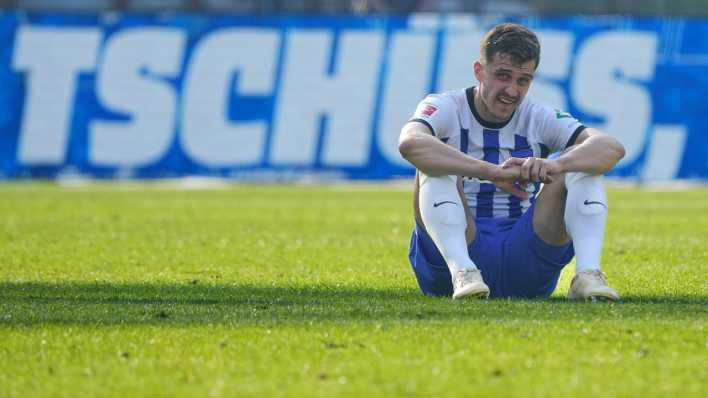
490	125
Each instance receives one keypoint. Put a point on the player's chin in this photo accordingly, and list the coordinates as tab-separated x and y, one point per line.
504	113
504	110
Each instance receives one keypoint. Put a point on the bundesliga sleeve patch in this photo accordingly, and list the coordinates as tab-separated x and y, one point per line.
429	110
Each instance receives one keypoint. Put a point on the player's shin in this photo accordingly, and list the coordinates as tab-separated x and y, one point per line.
443	214
585	217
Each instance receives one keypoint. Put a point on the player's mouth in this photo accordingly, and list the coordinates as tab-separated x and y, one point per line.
507	100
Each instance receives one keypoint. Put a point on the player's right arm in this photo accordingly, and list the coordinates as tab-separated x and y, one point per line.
419	144
434	158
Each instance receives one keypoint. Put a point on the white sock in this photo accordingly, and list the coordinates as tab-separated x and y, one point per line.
444	217
585	217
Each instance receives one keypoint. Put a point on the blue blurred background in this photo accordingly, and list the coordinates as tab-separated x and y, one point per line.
292	90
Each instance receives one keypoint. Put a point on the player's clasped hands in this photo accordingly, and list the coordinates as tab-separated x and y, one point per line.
509	179
515	173
534	169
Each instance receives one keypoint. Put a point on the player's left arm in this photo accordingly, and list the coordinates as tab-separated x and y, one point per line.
594	152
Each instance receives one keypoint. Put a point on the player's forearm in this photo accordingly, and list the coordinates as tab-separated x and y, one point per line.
598	154
434	158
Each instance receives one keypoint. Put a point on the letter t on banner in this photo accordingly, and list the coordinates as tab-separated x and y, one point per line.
53	59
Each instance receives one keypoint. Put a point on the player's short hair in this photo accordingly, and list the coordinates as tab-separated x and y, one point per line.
511	39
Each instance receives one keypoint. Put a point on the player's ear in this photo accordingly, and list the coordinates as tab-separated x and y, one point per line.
478	71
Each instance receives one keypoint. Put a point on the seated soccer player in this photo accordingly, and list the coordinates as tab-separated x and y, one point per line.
495	216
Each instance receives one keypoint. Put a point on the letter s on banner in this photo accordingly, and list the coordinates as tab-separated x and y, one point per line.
607	68
131	81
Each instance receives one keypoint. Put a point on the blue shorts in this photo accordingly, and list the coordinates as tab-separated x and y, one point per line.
514	261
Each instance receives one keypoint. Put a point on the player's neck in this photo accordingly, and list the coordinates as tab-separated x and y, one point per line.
482	114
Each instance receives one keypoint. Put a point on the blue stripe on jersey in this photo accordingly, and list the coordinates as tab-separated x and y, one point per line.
464	140
485	197
521	150
544	150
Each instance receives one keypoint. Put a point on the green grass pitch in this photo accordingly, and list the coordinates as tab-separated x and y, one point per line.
305	291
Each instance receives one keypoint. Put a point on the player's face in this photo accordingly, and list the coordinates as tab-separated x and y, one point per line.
503	84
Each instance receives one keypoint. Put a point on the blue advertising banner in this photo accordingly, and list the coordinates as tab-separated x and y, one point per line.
295	97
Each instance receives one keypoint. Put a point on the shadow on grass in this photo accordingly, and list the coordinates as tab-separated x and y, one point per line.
32	303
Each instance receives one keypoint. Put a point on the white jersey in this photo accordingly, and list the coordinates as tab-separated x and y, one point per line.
535	129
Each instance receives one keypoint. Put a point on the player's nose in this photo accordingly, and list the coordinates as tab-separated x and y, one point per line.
512	90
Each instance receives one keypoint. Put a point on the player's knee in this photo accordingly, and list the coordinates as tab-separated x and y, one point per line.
586	179
446	209
439	182
441	201
589	190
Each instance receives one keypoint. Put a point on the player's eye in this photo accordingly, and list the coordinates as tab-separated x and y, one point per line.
524	82
503	76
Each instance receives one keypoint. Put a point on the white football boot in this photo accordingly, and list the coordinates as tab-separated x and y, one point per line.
468	283
591	285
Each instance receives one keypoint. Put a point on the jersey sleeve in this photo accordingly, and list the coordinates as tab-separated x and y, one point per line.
558	129
438	113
